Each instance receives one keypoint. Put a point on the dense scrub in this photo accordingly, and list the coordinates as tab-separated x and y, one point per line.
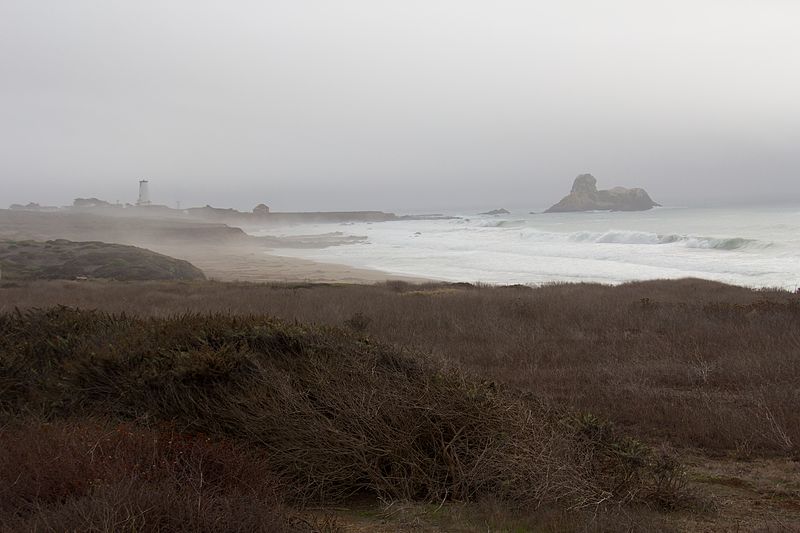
90	476
330	414
688	362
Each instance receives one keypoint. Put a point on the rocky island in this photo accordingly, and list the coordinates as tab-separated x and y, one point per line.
585	197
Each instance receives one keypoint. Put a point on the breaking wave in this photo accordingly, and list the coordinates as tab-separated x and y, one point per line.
689	241
502	223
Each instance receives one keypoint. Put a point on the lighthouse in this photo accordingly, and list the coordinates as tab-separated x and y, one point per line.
144	193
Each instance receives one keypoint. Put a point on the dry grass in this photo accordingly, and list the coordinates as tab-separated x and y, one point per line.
493	516
688	362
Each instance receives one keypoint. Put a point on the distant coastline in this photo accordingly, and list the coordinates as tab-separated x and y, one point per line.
223	252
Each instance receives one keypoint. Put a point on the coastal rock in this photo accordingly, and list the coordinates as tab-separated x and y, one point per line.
497	212
586	197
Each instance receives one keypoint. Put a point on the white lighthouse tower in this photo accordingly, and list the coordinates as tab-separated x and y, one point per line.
144	193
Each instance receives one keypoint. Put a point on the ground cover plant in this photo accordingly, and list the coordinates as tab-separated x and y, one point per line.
330	414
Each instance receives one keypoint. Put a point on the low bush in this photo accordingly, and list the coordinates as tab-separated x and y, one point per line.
335	413
89	476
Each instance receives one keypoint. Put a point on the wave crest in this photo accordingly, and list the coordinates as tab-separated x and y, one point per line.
502	223
690	241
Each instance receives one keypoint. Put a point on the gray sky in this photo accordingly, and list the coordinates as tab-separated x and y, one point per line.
357	104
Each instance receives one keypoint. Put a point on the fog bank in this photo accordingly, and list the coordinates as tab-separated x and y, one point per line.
357	104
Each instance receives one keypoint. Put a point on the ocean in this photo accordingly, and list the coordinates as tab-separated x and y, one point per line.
754	247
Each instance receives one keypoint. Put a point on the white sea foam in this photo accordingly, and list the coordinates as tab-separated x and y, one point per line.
753	247
690	241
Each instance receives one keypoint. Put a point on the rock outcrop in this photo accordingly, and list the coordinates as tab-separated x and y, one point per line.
497	212
585	197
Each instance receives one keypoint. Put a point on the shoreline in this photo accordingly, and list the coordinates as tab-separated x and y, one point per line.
231	253
253	264
222	252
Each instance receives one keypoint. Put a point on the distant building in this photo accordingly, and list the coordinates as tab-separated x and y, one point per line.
144	193
212	212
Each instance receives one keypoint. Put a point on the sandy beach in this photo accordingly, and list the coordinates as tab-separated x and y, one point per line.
253	264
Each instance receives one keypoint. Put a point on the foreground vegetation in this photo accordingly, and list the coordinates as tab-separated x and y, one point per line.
332	414
694	363
428	393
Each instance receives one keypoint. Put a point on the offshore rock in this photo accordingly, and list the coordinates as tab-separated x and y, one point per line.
585	197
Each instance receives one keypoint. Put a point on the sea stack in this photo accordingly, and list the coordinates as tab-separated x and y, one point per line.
585	197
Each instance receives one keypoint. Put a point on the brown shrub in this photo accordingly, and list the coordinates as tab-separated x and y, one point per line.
337	414
691	362
87	476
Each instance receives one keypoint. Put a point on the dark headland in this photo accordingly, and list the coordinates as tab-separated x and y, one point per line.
63	259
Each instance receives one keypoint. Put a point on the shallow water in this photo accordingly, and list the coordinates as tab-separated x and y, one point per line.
757	247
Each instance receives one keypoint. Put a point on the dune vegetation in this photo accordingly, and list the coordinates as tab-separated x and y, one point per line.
329	413
577	401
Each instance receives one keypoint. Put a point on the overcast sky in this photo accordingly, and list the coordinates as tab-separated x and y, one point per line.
374	104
